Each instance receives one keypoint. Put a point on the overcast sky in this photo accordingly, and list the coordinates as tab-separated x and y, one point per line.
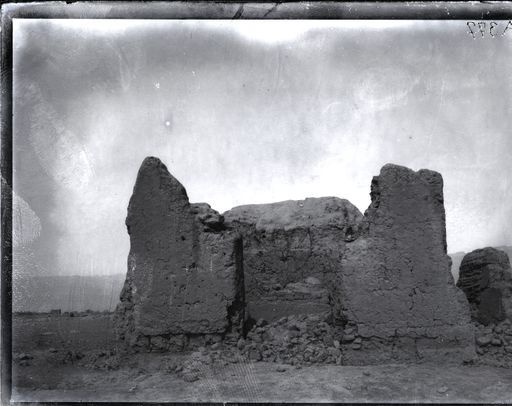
250	112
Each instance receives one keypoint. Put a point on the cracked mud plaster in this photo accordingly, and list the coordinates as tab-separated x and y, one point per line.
382	279
184	269
287	242
394	283
486	279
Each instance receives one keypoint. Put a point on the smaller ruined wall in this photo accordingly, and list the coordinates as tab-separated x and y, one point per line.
394	289
185	270
292	250
486	278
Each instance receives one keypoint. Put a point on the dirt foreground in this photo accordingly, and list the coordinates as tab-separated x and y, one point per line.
73	359
144	379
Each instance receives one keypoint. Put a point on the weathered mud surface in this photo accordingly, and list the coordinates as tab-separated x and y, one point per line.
185	278
380	282
394	286
286	243
486	278
387	274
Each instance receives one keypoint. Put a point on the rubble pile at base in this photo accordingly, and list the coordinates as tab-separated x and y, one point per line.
494	344
295	340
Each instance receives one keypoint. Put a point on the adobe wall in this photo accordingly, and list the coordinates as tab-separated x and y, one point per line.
185	273
394	288
381	281
292	250
486	278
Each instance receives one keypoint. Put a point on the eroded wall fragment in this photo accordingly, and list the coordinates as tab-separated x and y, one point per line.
486	278
292	250
185	276
394	287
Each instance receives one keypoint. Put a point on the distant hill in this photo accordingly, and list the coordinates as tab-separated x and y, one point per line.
458	256
43	293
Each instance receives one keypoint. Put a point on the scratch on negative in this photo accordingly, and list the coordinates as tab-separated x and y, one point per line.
272	9
239	12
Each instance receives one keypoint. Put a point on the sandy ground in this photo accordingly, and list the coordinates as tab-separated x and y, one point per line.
144	377
263	382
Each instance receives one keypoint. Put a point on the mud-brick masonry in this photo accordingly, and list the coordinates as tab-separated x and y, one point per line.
292	251
486	278
383	278
394	285
185	278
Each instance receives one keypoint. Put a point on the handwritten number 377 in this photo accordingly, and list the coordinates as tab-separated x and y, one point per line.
483	28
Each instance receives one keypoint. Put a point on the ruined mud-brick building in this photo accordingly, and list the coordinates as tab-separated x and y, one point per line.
486	278
383	278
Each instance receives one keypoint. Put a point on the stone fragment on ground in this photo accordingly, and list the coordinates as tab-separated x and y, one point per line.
494	344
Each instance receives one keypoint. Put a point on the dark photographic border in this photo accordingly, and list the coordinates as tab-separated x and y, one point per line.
473	12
